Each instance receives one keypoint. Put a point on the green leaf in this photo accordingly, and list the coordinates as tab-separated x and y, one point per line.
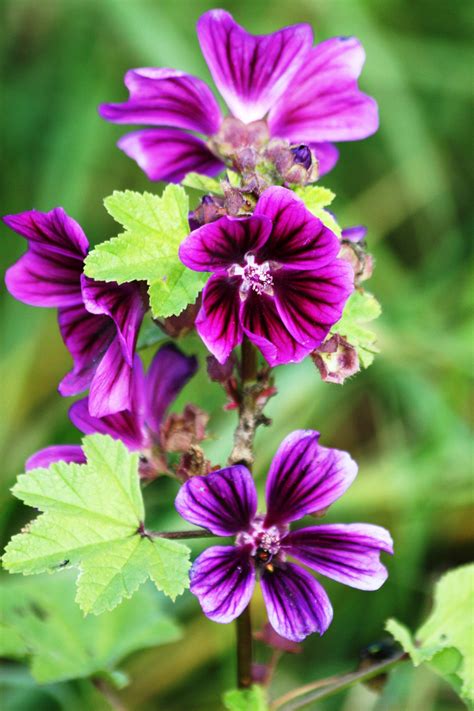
445	640
360	308
150	333
253	699
148	249
316	198
202	183
61	644
92	515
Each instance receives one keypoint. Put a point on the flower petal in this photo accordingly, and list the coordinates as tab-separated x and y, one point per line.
354	234
297	605
220	244
348	553
224	501
298	240
264	327
251	71
125	306
166	97
49	273
168	154
223	580
128	425
324	103
56	453
87	338
305	478
327	156
111	386
167	375
310	302
218	321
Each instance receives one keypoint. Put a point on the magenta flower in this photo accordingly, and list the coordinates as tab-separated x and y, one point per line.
276	279
138	427
277	85
304	478
99	322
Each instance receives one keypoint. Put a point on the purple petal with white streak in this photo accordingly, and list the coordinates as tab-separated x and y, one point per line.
251	71
223	580
167	375
297	605
348	553
305	478
166	97
224	501
354	234
168	154
218	322
299	240
56	453
220	244
324	103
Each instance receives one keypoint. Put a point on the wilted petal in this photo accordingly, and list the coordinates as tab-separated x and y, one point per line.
166	97
224	501
167	154
124	304
87	338
305	477
297	605
310	302
223	579
220	244
56	453
264	327
218	320
298	239
348	553
327	156
324	103
49	273
167	375
251	71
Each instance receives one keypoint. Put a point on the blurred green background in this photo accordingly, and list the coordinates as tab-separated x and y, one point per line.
405	419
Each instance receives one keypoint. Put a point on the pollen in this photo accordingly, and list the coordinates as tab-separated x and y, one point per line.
255	277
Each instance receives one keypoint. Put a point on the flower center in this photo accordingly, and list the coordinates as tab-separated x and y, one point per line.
264	542
255	277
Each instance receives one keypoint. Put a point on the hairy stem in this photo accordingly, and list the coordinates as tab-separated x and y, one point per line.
242	453
324	688
250	411
244	649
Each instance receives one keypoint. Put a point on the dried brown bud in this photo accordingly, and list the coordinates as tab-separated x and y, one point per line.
182	430
177	326
336	359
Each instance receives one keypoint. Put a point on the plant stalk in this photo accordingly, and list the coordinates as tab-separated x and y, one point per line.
324	688
177	535
244	649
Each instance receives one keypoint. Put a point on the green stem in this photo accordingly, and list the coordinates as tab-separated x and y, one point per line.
304	695
244	649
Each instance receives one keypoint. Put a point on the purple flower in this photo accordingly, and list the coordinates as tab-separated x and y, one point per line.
99	322
276	279
304	478
304	94
140	426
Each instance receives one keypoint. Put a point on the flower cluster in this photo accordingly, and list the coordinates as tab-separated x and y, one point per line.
304	478
280	278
